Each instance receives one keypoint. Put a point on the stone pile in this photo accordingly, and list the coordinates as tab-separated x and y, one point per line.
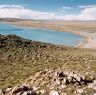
18	90
59	77
51	82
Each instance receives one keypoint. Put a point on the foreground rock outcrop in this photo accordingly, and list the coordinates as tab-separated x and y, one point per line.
53	82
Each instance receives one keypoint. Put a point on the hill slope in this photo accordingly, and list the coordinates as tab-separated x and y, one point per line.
20	59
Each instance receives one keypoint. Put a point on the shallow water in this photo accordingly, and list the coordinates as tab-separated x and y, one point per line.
43	35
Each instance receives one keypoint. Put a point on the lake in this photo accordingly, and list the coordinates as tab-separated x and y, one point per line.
42	35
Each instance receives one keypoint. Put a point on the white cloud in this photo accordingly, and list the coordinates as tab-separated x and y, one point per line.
86	6
86	14
17	11
63	9
10	6
66	8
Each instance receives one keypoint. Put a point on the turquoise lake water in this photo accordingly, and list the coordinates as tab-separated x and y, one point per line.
42	35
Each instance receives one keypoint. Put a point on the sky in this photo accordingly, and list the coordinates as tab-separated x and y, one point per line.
49	9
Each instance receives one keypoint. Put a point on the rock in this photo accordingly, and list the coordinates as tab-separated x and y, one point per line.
53	79
25	93
34	88
29	93
78	78
61	74
8	89
1	92
71	74
63	86
42	91
65	81
57	82
80	91
92	85
53	92
70	78
19	89
63	93
17	93
94	82
66	73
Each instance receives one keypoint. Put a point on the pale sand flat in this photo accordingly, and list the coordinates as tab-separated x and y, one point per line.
91	43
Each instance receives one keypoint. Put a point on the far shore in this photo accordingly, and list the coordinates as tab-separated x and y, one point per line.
85	29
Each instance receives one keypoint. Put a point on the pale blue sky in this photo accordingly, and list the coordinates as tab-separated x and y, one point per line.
58	7
47	5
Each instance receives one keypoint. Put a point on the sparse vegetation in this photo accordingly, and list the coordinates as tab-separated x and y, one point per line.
20	59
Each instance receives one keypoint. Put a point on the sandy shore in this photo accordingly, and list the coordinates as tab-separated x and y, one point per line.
86	29
89	43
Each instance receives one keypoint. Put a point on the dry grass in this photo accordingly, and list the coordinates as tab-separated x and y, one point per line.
19	61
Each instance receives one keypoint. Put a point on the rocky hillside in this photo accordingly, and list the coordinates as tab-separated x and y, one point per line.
54	82
35	68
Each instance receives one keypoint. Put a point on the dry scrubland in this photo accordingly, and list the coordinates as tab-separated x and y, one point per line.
20	59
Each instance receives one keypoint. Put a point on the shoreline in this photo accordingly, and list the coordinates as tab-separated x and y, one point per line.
89	36
89	43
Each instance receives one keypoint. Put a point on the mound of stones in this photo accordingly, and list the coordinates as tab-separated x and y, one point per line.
52	80
59	77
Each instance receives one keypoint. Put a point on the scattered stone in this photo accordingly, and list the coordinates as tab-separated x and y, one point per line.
20	89
53	92
42	91
8	89
63	93
78	94
57	81
34	88
63	86
61	74
80	91
25	93
94	82
1	92
92	85
29	93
